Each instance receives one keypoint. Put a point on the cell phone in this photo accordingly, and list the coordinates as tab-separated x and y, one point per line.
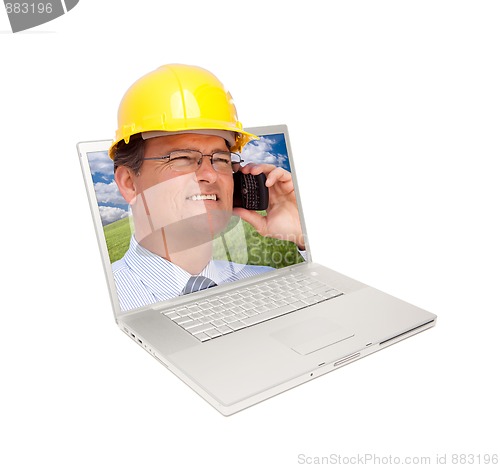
250	192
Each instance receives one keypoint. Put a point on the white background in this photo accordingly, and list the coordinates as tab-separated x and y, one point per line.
393	109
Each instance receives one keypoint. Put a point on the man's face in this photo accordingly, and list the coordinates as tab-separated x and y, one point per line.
193	206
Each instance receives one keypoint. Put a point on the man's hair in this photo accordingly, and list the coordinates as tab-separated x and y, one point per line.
130	154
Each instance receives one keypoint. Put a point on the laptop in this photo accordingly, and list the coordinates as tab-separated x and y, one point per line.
267	317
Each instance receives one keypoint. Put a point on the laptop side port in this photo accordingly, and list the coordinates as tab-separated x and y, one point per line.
400	336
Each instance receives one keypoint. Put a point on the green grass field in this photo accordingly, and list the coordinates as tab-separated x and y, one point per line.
244	244
117	236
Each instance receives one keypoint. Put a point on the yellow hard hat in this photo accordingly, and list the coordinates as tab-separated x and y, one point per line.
178	98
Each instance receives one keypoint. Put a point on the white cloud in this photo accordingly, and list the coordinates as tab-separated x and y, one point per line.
111	214
101	163
108	193
260	152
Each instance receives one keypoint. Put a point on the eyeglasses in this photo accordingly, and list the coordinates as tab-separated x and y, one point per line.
224	162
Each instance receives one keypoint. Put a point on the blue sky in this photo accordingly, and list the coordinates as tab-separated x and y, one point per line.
112	206
270	149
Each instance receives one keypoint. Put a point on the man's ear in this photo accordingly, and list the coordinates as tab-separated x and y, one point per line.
125	180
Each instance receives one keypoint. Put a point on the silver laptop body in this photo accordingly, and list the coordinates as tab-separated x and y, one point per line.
236	370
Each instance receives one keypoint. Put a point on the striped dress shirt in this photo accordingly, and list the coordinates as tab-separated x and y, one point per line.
143	278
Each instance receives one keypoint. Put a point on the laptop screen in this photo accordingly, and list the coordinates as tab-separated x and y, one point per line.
183	222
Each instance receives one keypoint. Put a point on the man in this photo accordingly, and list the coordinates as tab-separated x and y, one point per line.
175	152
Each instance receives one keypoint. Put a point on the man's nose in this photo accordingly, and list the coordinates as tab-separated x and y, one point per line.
205	171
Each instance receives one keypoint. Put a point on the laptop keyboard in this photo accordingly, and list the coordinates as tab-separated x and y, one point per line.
238	309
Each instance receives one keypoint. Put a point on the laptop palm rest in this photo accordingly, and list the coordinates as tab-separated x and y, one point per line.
312	335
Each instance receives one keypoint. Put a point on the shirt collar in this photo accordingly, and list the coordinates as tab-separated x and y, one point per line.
220	271
163	278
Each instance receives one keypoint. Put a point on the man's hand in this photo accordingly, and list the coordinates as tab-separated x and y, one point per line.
282	220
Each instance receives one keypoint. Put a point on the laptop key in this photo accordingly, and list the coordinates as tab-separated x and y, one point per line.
230	319
332	293
191	324
213	333
181	320
218	323
249	313
183	312
236	325
321	289
224	329
312	300
240	316
204	327
172	314
202	336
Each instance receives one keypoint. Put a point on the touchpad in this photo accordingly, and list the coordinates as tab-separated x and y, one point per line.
312	334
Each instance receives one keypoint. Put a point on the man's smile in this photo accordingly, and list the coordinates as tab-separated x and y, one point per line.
205	196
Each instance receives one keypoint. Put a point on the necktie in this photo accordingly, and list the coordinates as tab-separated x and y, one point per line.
197	283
